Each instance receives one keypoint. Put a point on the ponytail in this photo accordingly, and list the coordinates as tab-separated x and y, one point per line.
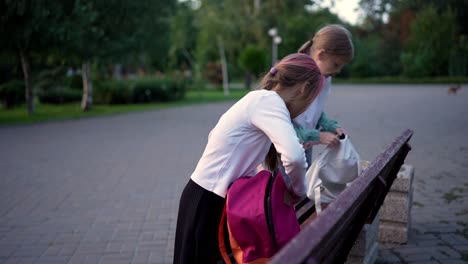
334	39
271	159
269	82
305	48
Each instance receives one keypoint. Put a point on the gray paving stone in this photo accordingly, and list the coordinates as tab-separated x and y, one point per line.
141	257
20	260
424	262
68	250
454	261
125	257
53	250
418	258
29	251
52	259
90	248
6	251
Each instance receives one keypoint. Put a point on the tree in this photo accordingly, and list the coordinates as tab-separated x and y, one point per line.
253	61
115	29
183	36
297	29
30	27
429	46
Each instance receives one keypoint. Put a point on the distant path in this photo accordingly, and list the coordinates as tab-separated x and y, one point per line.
106	189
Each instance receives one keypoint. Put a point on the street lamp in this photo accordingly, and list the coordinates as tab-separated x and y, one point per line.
275	41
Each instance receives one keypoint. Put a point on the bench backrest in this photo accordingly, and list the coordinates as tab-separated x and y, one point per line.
330	237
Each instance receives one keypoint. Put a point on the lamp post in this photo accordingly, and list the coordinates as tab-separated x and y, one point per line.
275	41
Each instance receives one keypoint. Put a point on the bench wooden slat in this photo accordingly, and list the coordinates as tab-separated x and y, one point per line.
329	238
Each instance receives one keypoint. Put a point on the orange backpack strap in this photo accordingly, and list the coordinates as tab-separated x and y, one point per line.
221	237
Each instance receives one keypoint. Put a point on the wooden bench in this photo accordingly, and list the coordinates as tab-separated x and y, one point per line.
329	237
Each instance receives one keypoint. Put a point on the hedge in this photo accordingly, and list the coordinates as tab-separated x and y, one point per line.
60	96
138	91
12	93
112	92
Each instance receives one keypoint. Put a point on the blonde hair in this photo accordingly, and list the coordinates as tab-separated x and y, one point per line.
295	71
335	39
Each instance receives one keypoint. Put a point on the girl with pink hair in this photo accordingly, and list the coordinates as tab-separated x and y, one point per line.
258	124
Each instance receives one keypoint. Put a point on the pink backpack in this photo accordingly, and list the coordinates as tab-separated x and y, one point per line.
260	218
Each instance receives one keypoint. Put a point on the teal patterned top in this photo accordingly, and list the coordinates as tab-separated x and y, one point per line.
324	124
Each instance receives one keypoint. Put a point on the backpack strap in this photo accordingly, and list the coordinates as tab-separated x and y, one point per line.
223	239
269	209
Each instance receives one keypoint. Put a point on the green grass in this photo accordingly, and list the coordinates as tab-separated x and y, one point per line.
452	196
47	112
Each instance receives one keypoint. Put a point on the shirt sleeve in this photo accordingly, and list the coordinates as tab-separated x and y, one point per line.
272	117
326	124
307	135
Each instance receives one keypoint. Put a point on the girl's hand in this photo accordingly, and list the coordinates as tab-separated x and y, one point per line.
328	138
310	144
340	131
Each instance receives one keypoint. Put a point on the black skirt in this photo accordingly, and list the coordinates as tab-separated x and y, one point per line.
196	239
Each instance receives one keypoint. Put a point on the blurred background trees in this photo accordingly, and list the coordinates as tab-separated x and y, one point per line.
105	51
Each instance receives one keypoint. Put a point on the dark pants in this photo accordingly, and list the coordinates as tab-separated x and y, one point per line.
196	238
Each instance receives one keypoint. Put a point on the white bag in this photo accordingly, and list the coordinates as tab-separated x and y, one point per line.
331	171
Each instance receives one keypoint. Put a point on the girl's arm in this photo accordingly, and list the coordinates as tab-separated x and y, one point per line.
327	124
306	135
272	117
323	136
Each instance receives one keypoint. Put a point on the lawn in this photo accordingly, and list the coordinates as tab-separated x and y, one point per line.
48	112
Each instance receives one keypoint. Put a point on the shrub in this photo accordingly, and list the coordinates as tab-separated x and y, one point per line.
60	96
158	90
112	92
12	93
74	82
213	72
181	88
253	59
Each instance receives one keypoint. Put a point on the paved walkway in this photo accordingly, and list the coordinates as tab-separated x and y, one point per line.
106	189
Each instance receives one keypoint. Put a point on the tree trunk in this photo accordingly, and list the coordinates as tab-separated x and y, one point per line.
257	5
248	80
117	73
87	100
27	80
222	55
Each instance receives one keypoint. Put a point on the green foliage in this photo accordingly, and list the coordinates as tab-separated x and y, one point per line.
59	96
9	66
431	40
365	63
139	91
157	90
183	36
253	59
74	82
297	29
167	34
213	73
234	22
12	93
112	92
31	25
458	62
50	78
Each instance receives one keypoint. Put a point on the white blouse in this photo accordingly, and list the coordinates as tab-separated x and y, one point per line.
241	140
310	117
